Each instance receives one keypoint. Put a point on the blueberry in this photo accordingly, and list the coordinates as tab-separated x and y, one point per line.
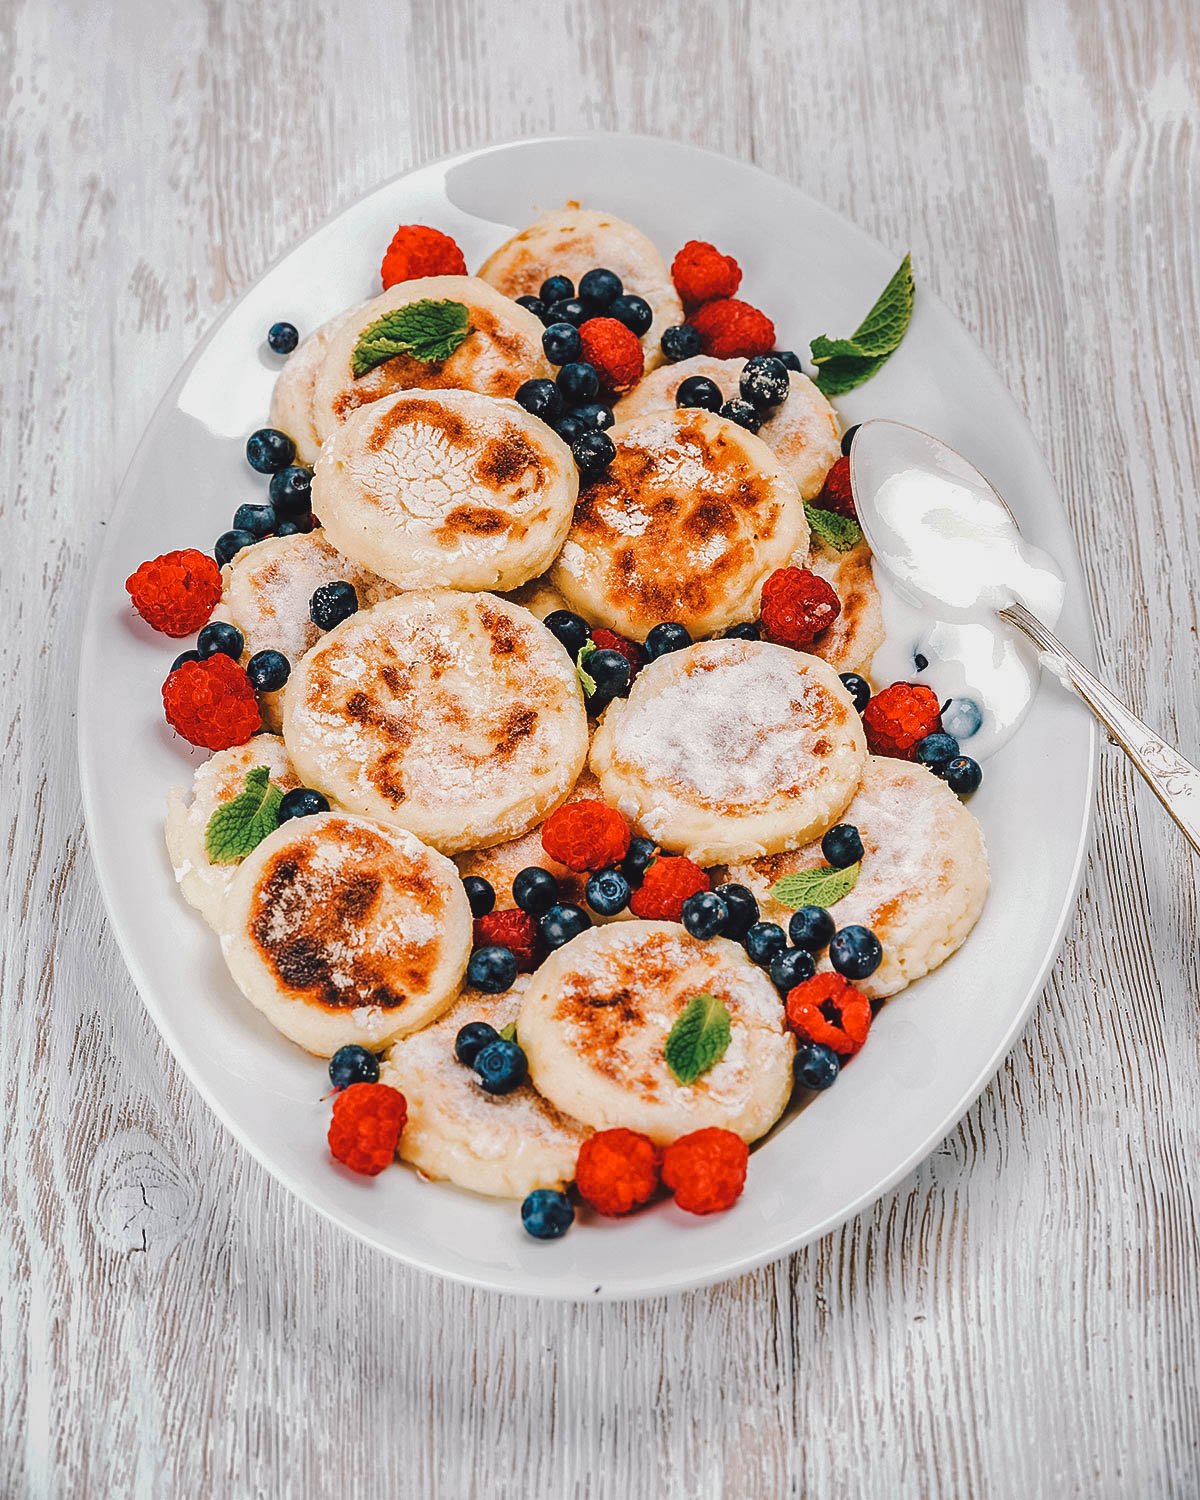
269	450
763	941
534	890
230	543
301	802
742	908
569	310
705	914
610	672
599	288
282	337
578	382
680	342
848	438
220	636
535	305
607	892
936	751
268	671
291	491
295	526
855	952
569	630
741	412
790	968
351	1064
569	428
963	775
748	630
258	520
593	452
962	718
640	855
556	289
541	399
635	312
480	895
561	343
182	657
858	688
842	845
471	1039
764	382
595	416
492	969
331	604
547	1214
500	1066
699	390
815	1066
788	360
562	923
920	660
665	638
811	927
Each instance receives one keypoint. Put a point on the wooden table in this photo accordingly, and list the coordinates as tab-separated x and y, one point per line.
1022	1315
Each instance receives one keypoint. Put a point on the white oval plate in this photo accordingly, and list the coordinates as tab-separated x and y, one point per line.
931	1050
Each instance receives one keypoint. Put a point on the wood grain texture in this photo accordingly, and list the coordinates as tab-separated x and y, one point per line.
1022	1315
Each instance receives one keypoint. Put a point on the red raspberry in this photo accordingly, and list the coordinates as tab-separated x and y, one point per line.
706	1170
586	835
666	885
730	329
176	592
836	495
701	273
211	703
609	640
614	350
829	1010
797	606
511	929
617	1170
900	716
365	1129
417	250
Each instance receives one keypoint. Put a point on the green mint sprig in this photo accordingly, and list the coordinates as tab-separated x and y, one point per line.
586	681
840	533
239	826
698	1038
820	886
425	330
843	364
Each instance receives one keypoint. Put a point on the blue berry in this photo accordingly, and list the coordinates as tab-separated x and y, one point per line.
556	289
705	914
569	630
282	337
848	438
331	604
230	543
569	310
220	636
635	312
920	660
742	908
790	968
699	390
680	342
258	520
480	895
788	359
855	952
640	855
268	671
962	718
471	1040
842	845
936	751
291	491
561	343
535	305
500	1066
540	398
665	638
295	526
595	416
593	452
610	672
963	775
182	657
351	1064
569	428
599	288
815	1066
858	688
534	890
763	941
562	923
811	927
269	450
748	630
764	382
547	1214
607	892
301	802
578	382
492	969
741	412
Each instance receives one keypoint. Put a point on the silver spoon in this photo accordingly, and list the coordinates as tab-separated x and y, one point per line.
972	560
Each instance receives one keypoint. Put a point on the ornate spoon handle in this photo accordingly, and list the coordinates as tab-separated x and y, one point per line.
1172	779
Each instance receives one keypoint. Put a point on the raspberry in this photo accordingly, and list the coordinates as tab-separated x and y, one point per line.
730	329
828	1010
706	1170
609	640
797	606
417	250
366	1125
510	929
702	274
586	835
666	885
835	494
617	1170
176	592
614	350
211	703
897	718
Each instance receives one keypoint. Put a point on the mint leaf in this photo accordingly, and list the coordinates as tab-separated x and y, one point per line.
843	364
586	681
820	886
425	330
838	532
844	374
239	826
698	1038
509	1033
